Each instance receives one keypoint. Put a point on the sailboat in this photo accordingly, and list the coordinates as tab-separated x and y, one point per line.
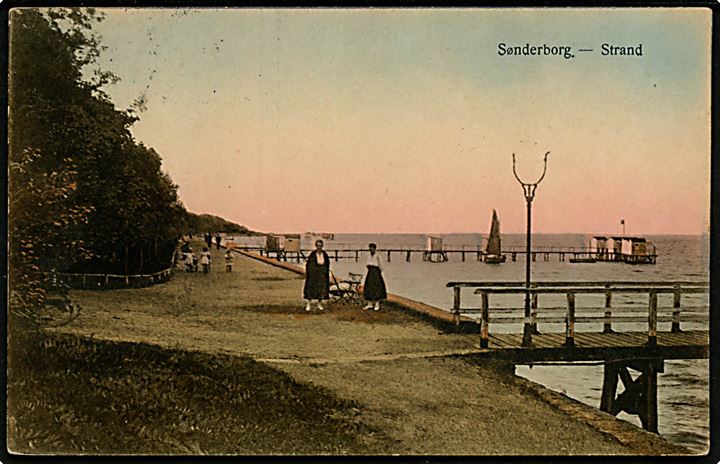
493	253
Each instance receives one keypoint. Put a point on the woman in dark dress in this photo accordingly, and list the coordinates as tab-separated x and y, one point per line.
317	277
374	289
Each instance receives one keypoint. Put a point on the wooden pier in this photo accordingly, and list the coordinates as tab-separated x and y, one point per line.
463	252
616	340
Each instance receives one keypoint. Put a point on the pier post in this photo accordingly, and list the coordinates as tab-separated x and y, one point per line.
336	256
675	327
485	327
407	257
456	305
648	411
607	326
570	324
640	394
609	387
463	256
652	320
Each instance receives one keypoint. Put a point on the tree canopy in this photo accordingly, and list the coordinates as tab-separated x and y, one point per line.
84	195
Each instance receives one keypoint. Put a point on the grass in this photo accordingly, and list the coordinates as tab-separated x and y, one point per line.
71	395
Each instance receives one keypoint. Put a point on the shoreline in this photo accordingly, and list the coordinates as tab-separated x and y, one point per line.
621	430
392	363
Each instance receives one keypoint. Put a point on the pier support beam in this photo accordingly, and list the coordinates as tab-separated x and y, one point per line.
640	394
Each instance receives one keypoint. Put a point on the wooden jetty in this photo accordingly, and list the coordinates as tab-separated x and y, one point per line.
464	252
467	252
621	351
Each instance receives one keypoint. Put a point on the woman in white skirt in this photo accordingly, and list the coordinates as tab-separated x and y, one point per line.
374	288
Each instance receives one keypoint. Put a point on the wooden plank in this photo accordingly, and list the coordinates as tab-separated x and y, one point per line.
619	339
542	341
515	340
675	339
558	339
687	338
591	339
669	339
498	341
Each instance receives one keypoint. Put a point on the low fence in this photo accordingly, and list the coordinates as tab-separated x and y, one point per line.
110	281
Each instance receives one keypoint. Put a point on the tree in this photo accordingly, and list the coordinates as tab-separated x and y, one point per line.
84	196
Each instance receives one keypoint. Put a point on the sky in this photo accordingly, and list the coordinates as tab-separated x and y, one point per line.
386	120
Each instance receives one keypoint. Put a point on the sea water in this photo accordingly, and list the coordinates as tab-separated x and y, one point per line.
683	388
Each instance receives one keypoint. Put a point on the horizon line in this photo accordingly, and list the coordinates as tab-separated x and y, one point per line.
478	233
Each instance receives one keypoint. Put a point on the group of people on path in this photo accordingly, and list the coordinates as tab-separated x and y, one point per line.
317	279
209	239
191	260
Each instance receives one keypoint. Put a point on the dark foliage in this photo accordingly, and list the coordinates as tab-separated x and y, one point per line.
200	223
84	196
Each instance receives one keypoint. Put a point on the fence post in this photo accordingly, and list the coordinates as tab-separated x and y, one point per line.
675	328
607	327
570	323
652	319
485	328
456	304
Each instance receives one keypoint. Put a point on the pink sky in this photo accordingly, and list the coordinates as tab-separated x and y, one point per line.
406	121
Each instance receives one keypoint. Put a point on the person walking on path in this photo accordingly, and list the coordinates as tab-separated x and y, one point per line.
208	239
217	240
189	260
228	261
205	260
317	277
374	288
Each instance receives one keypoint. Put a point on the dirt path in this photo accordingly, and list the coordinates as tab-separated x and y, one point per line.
391	363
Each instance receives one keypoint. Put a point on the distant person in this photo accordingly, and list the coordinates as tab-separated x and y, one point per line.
189	260
374	289
218	238
228	261
205	260
317	277
208	239
194	261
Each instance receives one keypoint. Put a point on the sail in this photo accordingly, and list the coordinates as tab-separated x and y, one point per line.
493	244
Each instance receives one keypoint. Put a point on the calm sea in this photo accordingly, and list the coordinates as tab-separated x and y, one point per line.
683	389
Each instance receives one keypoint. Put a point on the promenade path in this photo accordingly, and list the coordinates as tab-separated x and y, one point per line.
394	366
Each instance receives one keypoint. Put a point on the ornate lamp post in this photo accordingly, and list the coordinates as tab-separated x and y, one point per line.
529	191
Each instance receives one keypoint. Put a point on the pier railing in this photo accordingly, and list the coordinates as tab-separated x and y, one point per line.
570	313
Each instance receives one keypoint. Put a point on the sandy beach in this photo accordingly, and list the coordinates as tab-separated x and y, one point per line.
404	373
